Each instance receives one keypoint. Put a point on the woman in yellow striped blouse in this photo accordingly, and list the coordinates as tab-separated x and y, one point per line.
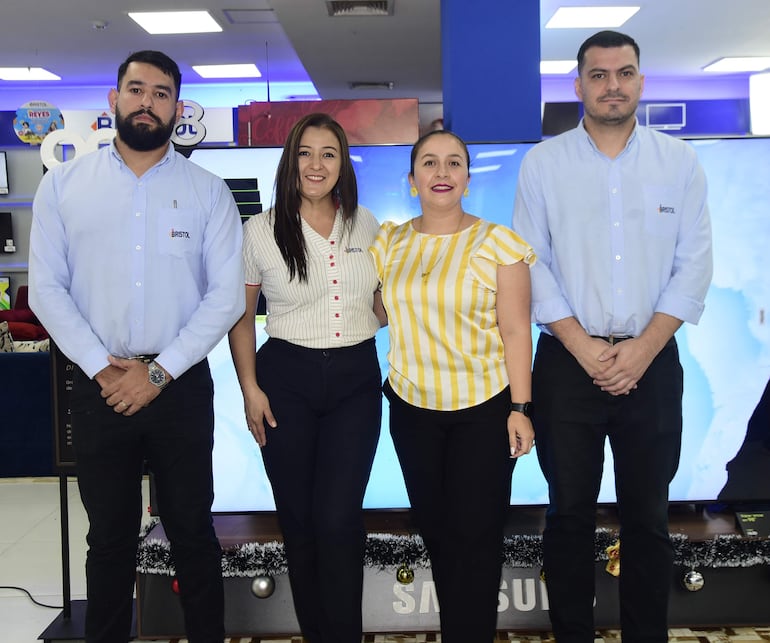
457	292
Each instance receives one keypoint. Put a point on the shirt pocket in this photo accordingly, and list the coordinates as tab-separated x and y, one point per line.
178	232
662	209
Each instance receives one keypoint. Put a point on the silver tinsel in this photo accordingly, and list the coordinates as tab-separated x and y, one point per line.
389	551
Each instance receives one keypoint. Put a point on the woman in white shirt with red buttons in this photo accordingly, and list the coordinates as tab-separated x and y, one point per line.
312	392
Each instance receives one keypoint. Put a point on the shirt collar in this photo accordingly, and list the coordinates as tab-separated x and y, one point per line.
167	157
587	137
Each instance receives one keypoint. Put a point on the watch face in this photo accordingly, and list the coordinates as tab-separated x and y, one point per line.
157	375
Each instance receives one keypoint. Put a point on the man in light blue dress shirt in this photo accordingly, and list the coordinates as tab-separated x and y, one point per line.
617	215
135	271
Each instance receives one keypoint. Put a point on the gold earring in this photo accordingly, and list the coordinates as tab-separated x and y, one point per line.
466	192
412	191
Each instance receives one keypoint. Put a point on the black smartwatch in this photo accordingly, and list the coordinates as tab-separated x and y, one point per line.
522	407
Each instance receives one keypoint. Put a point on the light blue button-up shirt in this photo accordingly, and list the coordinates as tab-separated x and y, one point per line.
617	239
127	266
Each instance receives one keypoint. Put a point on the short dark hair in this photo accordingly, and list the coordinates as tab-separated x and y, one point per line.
438	132
156	59
606	39
288	223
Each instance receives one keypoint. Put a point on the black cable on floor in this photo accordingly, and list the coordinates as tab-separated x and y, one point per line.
32	598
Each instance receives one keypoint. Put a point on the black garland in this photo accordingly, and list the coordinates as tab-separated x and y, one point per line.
389	551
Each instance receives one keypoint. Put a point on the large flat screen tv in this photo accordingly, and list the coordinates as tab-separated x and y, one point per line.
726	357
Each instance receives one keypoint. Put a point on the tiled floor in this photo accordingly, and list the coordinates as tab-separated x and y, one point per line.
30	554
30	558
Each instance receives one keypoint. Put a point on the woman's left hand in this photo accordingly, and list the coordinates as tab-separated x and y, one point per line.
521	435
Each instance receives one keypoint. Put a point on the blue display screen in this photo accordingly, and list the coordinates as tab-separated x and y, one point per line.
726	357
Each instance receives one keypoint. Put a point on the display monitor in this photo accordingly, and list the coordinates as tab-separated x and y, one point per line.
5	292
4	187
726	357
667	116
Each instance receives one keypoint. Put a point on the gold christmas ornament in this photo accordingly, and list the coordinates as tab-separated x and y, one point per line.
404	575
613	559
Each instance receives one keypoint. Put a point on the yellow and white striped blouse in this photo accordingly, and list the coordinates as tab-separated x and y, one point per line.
440	293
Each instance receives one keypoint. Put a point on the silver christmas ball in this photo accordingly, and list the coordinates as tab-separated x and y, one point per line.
693	580
263	586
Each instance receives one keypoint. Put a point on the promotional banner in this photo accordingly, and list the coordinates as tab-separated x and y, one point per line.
379	122
30	124
34	120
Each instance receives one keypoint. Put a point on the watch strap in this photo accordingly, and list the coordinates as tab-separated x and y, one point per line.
522	407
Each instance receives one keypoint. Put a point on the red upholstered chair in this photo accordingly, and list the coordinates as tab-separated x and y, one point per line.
22	323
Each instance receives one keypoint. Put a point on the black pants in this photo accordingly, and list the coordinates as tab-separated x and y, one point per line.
175	436
328	406
572	419
457	469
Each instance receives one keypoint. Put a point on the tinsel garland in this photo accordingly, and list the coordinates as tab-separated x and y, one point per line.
389	551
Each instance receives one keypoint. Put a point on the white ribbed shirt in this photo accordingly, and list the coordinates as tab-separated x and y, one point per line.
333	308
440	293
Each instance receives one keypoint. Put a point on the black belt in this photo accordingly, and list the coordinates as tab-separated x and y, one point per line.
145	359
613	339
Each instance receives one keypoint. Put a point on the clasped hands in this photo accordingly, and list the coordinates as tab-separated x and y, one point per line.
616	369
126	386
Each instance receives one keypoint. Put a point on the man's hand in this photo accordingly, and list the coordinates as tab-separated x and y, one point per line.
126	385
628	361
589	352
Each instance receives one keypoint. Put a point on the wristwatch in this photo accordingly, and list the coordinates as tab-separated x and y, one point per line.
157	374
522	407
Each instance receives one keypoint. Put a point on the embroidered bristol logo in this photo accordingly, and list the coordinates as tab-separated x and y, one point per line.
179	234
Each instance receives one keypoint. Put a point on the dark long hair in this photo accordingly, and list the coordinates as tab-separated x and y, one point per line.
288	223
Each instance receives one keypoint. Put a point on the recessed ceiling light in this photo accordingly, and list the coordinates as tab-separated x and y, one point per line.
368	84
590	17
26	73
737	64
246	70
165	22
557	66
342	8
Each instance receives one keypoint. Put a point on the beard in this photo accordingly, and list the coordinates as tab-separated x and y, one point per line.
616	115
142	137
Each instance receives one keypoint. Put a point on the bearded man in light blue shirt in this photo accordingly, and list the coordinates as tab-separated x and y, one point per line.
617	215
135	271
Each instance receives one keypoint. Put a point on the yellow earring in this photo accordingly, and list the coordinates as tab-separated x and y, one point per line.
466	192
413	191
